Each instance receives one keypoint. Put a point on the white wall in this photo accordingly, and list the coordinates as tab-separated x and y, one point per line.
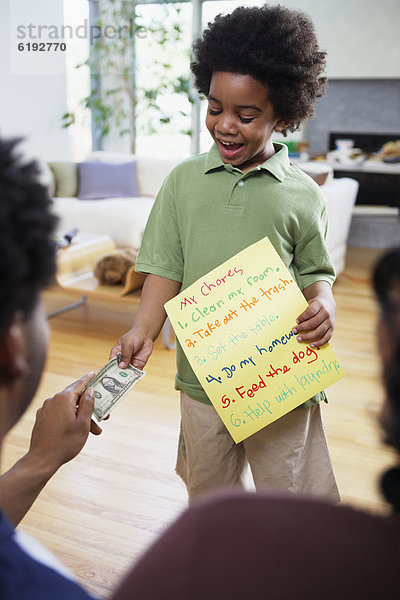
31	104
362	37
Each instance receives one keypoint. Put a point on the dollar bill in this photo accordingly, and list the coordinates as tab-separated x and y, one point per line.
111	384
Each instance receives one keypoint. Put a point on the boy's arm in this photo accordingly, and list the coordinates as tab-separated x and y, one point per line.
317	322
137	344
59	434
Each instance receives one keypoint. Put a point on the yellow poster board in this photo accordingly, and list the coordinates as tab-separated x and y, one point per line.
235	327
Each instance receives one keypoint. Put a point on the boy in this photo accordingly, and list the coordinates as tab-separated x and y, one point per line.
260	70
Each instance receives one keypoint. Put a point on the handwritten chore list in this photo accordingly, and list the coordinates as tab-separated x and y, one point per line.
235	327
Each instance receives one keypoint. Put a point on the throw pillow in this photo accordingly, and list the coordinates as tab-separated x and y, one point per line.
107	180
66	178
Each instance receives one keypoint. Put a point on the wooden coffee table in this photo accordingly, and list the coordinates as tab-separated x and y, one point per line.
75	265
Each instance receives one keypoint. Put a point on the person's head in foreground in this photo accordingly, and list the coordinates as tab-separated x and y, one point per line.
260	69
27	264
63	423
386	283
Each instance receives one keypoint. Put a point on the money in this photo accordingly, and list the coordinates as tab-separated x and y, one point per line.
111	384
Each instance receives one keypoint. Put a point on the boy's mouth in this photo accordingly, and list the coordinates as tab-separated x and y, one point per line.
229	149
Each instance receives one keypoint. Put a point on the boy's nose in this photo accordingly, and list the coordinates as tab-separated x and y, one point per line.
226	124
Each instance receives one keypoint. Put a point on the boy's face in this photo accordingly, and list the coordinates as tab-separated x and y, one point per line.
241	119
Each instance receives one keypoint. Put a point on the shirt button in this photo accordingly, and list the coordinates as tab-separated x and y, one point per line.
258	168
240	183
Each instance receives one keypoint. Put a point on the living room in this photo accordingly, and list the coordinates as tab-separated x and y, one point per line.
99	513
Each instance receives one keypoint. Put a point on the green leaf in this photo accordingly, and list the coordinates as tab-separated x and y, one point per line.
68	119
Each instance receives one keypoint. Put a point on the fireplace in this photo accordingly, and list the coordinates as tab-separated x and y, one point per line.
379	181
368	142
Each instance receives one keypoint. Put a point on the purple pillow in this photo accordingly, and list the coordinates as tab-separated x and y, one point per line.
107	180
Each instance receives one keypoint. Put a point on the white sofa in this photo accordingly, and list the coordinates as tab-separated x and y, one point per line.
341	195
124	219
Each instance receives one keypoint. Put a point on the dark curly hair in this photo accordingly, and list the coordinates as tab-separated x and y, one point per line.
27	250
386	283
275	45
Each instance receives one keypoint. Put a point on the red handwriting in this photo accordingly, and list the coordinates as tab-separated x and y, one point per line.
272	371
187	301
207	288
298	356
226	401
241	390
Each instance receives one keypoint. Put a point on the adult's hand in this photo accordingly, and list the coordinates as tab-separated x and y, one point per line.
61	429
63	424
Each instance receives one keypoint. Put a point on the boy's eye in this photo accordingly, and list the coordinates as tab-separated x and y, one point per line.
214	111
245	119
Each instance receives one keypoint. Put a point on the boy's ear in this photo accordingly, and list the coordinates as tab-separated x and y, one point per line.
281	125
13	363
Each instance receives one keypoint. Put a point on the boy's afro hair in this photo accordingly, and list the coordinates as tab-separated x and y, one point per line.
275	45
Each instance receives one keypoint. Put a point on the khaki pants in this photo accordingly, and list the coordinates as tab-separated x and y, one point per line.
289	454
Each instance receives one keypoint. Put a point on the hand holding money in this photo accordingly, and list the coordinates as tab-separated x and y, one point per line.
110	385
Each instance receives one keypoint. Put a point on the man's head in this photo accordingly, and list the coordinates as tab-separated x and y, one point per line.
274	45
27	264
386	280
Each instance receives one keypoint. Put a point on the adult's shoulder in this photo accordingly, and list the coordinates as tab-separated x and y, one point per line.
241	545
29	570
288	513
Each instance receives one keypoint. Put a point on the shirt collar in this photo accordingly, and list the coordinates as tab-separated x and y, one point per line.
277	164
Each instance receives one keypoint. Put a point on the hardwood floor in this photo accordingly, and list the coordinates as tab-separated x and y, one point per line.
103	509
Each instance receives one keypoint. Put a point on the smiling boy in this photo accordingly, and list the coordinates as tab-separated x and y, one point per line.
241	119
260	69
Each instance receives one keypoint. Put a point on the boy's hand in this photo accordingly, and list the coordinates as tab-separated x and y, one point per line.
134	347
316	323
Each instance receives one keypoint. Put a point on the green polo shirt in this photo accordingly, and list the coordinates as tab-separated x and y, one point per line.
208	211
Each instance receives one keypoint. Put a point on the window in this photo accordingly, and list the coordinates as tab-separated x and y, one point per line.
163	113
76	14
